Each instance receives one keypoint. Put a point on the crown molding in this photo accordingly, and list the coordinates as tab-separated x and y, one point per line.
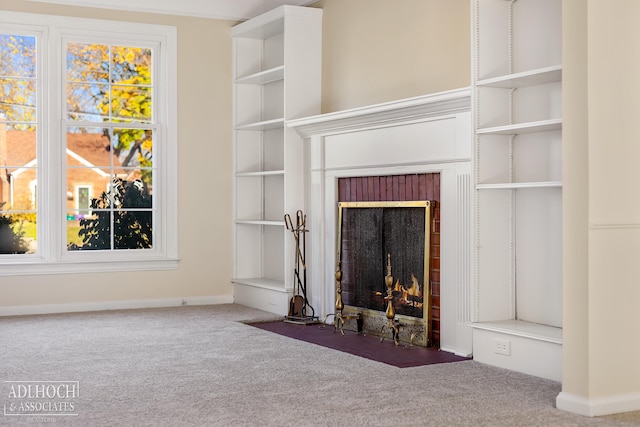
215	9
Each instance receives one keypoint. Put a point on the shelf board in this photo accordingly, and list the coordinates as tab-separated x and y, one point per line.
263	77
517	185
261	282
263	125
526	78
278	172
523	329
260	222
519	128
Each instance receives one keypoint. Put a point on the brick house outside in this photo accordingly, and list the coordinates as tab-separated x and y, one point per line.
88	159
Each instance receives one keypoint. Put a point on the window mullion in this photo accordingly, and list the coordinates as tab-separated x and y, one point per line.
53	153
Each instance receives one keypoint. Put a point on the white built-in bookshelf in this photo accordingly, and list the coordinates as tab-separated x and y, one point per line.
516	86
277	77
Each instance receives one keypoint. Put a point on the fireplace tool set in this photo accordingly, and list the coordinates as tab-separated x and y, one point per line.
300	311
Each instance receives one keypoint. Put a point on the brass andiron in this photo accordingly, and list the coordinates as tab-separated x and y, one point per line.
339	317
339	303
392	324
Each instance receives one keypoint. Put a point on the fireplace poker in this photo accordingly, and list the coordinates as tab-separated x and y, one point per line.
299	258
301	226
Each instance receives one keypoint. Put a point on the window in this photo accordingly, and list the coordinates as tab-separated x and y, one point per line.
109	120
18	124
87	145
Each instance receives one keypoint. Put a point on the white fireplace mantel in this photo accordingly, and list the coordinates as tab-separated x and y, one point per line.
384	115
426	134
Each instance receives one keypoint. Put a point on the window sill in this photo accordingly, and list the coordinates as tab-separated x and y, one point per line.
37	268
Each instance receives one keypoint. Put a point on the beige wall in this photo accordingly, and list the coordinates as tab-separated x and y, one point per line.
614	196
374	51
382	50
204	133
575	197
601	131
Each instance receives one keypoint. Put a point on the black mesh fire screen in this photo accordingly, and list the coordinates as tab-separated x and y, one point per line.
370	233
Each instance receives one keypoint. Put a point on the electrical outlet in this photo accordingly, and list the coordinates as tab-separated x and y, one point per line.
503	347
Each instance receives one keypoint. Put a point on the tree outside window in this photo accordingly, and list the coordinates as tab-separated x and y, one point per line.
109	95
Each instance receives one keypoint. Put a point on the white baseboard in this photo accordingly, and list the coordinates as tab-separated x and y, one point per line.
456	352
20	310
597	407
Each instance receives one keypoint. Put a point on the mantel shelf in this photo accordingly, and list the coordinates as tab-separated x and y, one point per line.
526	78
263	125
263	77
385	114
519	128
261	173
517	185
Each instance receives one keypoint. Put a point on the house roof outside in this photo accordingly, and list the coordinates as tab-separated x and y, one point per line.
94	149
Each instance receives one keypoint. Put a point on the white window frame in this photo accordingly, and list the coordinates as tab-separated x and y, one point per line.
52	256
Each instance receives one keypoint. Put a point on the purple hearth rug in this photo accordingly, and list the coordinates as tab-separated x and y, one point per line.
367	346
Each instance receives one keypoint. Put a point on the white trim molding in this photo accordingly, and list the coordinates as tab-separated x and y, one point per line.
22	310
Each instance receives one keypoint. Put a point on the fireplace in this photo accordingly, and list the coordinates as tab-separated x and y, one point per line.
355	155
390	227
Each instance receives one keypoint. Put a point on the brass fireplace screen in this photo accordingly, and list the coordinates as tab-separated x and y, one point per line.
370	234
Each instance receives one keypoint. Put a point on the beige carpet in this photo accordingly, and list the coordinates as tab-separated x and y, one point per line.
201	366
